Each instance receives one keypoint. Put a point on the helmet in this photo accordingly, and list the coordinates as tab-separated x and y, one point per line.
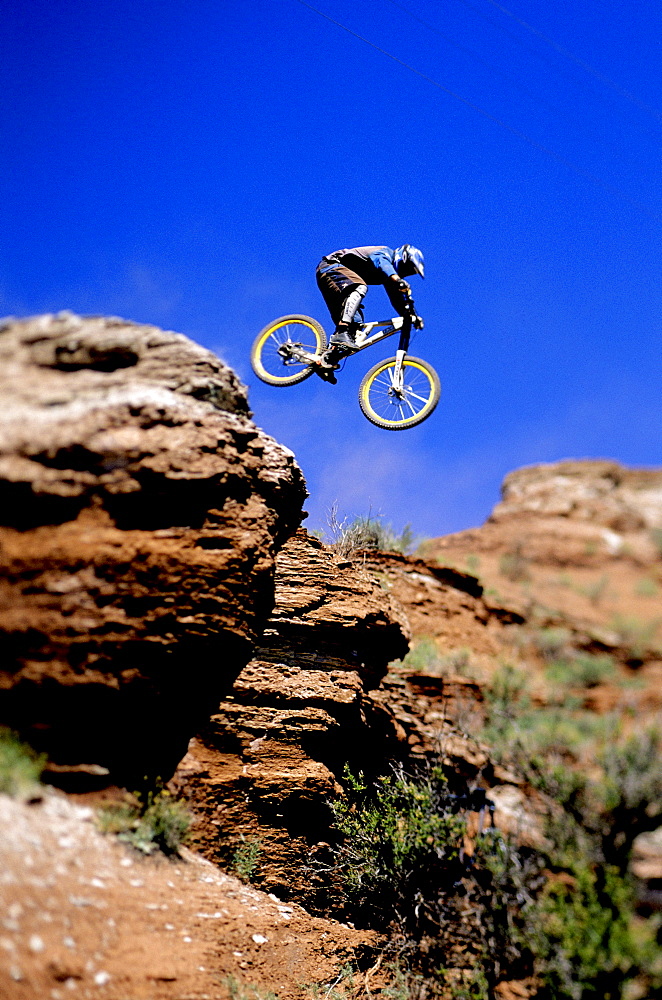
407	261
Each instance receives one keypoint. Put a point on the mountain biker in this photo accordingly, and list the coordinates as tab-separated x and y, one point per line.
343	278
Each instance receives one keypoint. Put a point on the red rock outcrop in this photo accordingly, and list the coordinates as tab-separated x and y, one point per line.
316	697
572	513
141	512
264	766
600	491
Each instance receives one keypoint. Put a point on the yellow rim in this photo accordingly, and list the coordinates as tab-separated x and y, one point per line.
391	364
268	333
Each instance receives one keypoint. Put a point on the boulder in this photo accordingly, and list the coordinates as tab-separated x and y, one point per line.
141	511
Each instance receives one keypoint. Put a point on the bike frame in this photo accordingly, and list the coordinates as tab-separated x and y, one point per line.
371	333
365	338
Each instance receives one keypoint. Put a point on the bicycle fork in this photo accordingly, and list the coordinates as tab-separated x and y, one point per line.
398	375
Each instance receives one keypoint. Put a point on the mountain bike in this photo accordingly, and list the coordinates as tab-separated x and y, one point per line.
395	394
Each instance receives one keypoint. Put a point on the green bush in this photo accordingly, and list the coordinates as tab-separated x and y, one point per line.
424	657
473	563
579	922
582	670
246	859
466	985
646	587
246	991
149	822
20	766
506	699
636	634
595	590
551	643
581	930
399	833
515	566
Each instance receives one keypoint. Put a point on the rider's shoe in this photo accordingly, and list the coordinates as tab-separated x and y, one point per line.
326	374
341	338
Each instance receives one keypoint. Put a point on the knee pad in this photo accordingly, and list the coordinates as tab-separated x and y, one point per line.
352	302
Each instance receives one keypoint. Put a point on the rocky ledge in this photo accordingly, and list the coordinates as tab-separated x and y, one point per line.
141	513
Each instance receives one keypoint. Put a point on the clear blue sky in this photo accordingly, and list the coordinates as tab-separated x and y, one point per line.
188	163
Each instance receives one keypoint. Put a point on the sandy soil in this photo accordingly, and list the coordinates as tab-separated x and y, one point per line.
83	915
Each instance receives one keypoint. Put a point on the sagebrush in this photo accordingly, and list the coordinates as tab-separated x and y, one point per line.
149	821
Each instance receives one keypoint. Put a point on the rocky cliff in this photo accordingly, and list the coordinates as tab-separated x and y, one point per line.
163	614
322	693
141	513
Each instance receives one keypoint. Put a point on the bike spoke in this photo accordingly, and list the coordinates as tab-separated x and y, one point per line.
400	405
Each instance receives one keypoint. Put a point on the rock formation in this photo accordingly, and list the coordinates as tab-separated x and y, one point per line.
268	760
572	513
602	492
316	697
141	512
156	595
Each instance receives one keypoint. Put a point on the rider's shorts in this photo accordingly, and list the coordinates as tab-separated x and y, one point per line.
335	282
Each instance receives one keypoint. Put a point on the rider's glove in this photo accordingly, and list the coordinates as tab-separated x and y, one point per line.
418	322
404	286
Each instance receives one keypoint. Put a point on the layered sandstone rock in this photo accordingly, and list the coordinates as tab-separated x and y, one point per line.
317	697
268	761
141	512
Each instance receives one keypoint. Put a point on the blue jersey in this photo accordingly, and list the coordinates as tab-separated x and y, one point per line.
373	264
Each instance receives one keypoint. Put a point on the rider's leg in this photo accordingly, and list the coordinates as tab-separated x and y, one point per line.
336	283
341	336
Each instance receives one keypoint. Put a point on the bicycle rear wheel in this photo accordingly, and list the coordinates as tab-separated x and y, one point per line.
393	409
273	352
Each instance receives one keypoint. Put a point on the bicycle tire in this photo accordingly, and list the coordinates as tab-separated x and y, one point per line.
268	364
378	402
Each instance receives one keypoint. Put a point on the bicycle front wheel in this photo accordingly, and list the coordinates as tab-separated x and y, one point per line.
393	408
277	349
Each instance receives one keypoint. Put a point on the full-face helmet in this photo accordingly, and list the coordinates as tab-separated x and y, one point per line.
408	261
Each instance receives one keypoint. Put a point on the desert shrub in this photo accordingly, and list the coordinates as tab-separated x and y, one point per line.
595	590
246	991
646	587
582	670
506	699
148	821
399	833
346	537
457	661
340	987
514	565
467	985
628	800
247	858
473	563
422	657
551	642
637	635
581	931
576	914
20	765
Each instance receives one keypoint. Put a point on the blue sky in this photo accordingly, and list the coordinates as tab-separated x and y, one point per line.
188	163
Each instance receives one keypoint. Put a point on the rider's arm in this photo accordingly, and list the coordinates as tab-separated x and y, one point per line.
382	259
